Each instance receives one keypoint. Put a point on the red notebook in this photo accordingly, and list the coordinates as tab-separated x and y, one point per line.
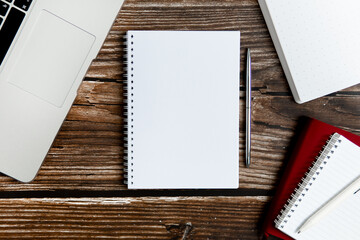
310	143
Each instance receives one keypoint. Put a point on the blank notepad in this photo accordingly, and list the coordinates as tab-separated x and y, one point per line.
337	167
183	109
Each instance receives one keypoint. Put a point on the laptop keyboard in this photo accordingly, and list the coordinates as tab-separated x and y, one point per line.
12	13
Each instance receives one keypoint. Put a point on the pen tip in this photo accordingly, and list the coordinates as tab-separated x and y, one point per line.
247	162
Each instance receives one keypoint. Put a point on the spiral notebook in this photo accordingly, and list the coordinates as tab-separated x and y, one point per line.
335	168
182	109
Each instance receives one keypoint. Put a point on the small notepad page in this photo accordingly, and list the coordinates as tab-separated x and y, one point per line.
183	109
336	168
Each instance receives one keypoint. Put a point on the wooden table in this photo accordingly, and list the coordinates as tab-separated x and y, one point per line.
79	192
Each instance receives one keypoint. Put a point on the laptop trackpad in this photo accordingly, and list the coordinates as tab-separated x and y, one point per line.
51	58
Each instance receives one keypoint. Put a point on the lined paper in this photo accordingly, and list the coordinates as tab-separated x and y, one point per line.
330	177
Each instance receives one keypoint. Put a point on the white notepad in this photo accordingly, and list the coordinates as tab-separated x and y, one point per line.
336	168
183	109
317	42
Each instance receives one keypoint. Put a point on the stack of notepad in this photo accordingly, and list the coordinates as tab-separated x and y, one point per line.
317	178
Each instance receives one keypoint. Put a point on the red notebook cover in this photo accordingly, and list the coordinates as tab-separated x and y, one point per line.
311	141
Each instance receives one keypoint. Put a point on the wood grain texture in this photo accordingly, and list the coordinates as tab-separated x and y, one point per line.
87	153
132	218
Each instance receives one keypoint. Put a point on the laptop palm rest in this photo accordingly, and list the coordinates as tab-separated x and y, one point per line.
56	51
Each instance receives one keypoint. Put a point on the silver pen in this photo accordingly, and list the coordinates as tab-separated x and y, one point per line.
248	109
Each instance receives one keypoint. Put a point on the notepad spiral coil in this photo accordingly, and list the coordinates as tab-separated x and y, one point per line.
307	181
128	109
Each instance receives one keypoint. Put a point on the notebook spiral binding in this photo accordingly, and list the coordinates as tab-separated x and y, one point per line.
307	181
128	109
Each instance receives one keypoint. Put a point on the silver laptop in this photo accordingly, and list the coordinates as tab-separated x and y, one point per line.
46	47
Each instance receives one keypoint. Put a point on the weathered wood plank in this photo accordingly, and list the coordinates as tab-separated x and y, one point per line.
132	218
87	154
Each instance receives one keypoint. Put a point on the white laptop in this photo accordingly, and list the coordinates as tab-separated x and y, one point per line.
46	47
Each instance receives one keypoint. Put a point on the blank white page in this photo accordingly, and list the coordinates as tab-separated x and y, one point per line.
331	175
183	109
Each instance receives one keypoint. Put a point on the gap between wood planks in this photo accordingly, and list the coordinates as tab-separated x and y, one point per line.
135	193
